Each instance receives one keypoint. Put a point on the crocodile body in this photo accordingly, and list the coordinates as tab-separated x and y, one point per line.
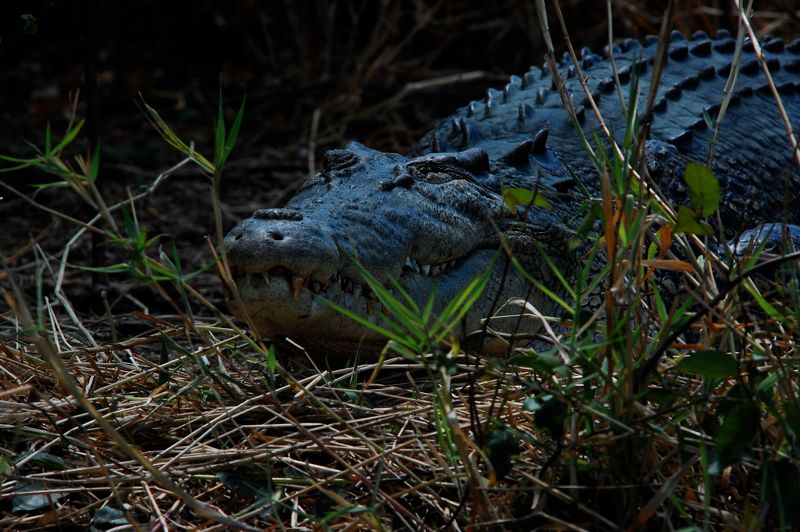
431	219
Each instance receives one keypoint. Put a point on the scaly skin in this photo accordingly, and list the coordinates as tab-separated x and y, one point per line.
432	219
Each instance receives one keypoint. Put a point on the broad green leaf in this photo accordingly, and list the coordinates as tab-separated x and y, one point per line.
109	515
551	416
32	495
500	446
734	436
689	222
516	197
710	364
703	189
46	460
546	362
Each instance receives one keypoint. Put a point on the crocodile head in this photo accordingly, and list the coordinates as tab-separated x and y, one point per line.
431	222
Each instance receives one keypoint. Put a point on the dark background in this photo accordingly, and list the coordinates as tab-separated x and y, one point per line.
349	63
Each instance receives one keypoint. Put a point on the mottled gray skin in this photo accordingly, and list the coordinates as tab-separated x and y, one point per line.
432	219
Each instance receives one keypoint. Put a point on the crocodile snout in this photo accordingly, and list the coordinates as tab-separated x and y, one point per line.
281	239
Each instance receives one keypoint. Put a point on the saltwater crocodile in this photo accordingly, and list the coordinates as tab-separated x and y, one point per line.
432	219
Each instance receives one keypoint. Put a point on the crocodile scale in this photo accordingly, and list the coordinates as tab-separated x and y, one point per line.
431	219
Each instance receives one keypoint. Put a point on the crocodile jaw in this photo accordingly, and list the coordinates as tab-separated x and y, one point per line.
284	306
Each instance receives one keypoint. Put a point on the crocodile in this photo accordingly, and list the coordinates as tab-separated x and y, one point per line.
433	219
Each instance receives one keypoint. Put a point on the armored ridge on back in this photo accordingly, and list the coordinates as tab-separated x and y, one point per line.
431	220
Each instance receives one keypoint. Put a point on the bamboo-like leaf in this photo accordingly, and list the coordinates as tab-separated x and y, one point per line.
94	167
233	134
68	138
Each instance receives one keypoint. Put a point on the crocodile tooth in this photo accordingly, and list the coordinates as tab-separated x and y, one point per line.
248	277
265	275
357	289
426	269
297	285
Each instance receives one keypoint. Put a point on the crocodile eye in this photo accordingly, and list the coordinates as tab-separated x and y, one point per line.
437	178
338	160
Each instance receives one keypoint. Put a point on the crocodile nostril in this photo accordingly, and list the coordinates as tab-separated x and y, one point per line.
238	237
275	235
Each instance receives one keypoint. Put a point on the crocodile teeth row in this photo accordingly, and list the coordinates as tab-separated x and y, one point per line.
427	269
296	284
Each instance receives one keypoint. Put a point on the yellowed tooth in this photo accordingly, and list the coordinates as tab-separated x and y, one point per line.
297	285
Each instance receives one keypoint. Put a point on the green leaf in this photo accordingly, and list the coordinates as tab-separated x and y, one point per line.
500	446
173	140
109	515
710	364
219	137
703	189
689	222
551	415
25	500
94	167
46	460
779	481
734	436
515	197
68	138
234	132
48	140
546	362
765	305
792	417
272	359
